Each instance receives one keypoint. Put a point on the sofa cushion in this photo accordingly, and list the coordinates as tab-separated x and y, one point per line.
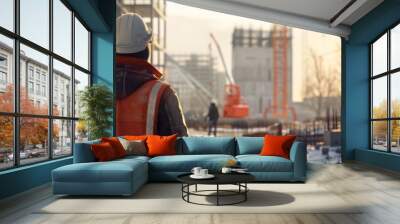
112	171
134	147
161	145
185	163
116	145
103	152
249	145
257	163
277	145
132	159
206	145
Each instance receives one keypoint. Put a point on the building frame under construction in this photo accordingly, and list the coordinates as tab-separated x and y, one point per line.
266	57
154	14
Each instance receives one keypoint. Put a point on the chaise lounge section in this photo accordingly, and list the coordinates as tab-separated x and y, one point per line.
125	176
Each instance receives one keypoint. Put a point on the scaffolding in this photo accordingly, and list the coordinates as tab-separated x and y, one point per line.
154	14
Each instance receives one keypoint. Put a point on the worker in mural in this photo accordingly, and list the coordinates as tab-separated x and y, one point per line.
213	116
145	105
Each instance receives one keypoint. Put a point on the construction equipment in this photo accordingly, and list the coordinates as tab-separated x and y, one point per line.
234	105
280	107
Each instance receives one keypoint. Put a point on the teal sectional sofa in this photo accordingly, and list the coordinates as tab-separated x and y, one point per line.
125	176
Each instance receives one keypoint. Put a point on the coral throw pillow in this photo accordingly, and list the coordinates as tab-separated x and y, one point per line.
116	145
103	152
135	137
161	145
277	145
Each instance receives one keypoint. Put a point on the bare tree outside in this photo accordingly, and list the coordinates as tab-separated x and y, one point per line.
322	84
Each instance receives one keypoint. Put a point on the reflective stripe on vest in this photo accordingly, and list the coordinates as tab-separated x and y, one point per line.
137	114
151	108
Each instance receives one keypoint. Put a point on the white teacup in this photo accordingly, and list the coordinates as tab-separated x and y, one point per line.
226	170
196	171
203	172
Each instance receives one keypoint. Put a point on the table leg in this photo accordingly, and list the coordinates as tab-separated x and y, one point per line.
182	188
196	187
188	190
245	193
217	194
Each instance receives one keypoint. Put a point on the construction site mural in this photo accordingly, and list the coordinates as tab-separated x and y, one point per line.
156	107
197	72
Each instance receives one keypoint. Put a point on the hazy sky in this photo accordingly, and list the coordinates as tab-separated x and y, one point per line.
189	28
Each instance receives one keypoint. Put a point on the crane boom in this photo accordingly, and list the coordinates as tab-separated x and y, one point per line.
229	76
190	77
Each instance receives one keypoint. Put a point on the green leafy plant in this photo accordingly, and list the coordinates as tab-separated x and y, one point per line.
96	102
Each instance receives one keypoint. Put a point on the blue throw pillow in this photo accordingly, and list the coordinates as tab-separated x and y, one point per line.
206	145
249	145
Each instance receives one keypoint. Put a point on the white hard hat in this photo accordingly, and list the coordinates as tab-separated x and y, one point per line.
133	34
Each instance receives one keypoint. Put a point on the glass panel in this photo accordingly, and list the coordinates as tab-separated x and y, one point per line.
62	138
395	138
7	14
395	47
81	81
81	131
6	74
81	45
379	55
62	89
379	135
35	21
33	140
34	97
6	142
62	29
395	94
379	97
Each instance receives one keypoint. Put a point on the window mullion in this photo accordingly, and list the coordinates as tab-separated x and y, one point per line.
16	84
371	140
73	82
50	81
389	104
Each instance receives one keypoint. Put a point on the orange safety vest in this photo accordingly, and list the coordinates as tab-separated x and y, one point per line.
137	113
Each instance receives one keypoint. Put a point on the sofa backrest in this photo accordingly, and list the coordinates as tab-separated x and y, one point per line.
190	146
249	145
83	152
206	145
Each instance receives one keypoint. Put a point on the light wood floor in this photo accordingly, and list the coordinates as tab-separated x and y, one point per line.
379	189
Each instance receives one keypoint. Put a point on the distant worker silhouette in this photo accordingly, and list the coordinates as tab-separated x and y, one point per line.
213	116
145	105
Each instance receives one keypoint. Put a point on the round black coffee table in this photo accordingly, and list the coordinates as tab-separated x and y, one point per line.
238	179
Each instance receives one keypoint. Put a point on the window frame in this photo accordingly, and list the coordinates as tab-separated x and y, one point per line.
388	74
16	115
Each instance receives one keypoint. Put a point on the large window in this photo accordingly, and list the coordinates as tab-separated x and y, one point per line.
44	64
385	91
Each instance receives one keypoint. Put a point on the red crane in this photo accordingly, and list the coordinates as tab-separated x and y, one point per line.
234	105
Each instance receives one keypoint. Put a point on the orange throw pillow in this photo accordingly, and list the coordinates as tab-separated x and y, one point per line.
161	145
135	137
116	145
103	152
277	145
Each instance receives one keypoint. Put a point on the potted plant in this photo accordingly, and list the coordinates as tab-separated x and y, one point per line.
96	102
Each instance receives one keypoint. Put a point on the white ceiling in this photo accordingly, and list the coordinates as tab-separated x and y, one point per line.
315	15
320	9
